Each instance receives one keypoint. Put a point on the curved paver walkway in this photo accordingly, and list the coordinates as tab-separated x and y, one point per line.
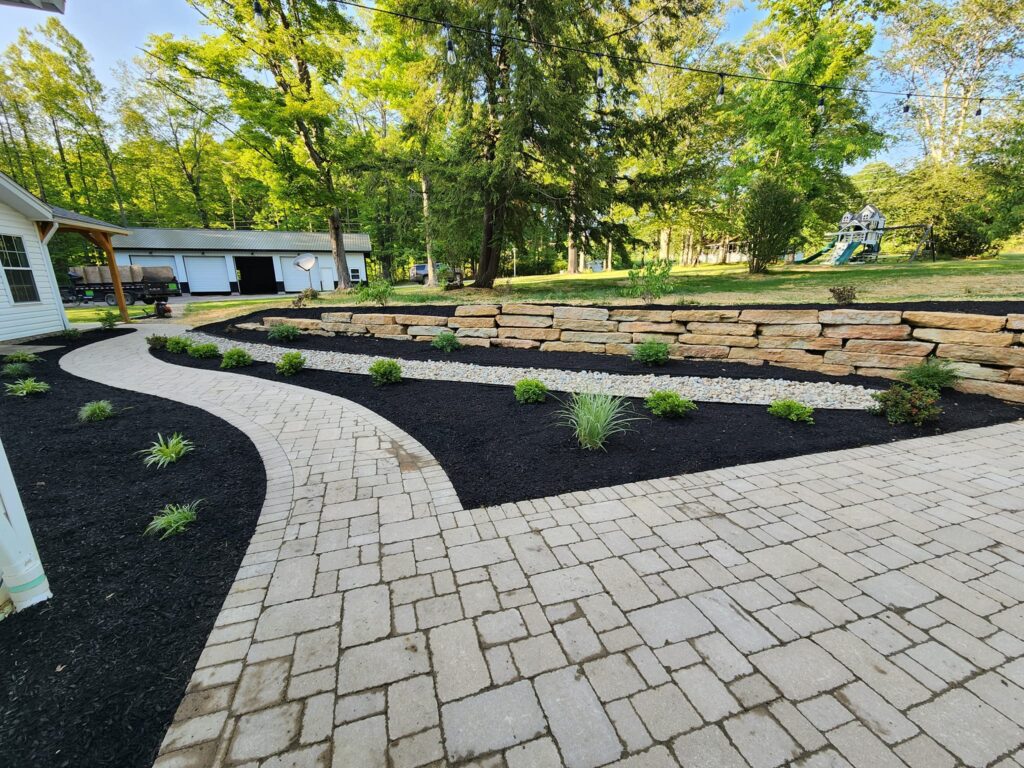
864	607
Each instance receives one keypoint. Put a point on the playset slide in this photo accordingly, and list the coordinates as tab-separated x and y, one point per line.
816	255
843	256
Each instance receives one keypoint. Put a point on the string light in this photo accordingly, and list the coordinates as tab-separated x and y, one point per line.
450	46
906	104
820	109
977	112
600	77
257	9
720	97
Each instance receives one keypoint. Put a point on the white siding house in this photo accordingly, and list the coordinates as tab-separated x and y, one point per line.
253	262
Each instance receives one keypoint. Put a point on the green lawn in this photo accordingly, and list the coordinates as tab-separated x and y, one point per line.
90	313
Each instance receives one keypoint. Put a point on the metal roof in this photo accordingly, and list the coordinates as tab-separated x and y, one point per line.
154	239
71	219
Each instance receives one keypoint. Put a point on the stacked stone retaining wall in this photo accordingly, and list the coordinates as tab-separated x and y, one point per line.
988	349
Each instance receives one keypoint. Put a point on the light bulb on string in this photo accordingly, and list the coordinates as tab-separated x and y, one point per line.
450	46
599	80
720	96
820	109
906	104
257	11
977	112
446	31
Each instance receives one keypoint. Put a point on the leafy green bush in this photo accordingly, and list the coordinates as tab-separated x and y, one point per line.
771	220
178	344
376	292
71	334
651	353
173	519
156	341
26	387
109	319
594	418
97	410
15	370
843	294
903	404
283	332
22	357
650	281
933	373
204	351
385	372
163	451
530	391
664	402
290	363
235	358
962	234
792	410
446	342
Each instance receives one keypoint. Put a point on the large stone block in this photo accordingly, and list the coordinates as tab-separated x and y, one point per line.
664	338
1013	357
705	315
702	351
585	325
371	318
643	315
534	334
349	329
644	327
471	342
971	338
427	330
983	373
476	310
723	329
1015	322
955	321
880	373
302	323
1015	376
515	343
831	370
527	309
800	330
420	320
524	321
1012	392
785	342
574	346
597	338
708	338
893	332
387	330
336	317
859	317
580	313
252	326
476	333
470	322
779	316
909	348
774	355
865	360
619	349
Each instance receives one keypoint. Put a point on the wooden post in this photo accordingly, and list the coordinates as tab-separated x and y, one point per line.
102	239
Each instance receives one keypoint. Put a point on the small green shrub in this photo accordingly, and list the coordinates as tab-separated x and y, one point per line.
156	341
843	294
907	404
71	334
283	332
109	319
204	351
376	291
22	357
792	410
594	418
15	370
26	387
650	281
446	342
530	391
178	344
163	451
933	373
290	363
651	353
670	404
173	519
385	372
97	410
235	358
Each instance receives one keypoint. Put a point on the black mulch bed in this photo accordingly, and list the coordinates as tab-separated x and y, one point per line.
93	676
495	450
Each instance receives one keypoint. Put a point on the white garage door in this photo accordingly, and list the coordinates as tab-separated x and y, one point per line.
207	274
294	278
156	261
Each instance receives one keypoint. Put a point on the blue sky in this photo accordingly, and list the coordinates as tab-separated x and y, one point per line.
114	30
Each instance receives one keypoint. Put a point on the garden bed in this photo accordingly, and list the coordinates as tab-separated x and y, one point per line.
495	450
93	676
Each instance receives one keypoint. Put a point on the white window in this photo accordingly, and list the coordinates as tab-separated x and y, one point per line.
17	270
354	275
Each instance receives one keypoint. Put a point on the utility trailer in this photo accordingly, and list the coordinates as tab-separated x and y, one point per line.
150	285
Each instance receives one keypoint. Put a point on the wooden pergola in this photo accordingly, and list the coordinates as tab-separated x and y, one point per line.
98	233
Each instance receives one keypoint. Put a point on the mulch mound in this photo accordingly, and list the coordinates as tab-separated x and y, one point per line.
495	450
93	676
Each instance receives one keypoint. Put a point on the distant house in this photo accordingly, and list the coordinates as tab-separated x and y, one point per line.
226	261
30	302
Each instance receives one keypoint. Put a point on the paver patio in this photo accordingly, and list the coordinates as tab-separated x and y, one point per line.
863	607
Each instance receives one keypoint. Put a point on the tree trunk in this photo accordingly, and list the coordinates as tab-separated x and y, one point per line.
338	250
63	159
428	243
611	250
574	254
490	249
664	243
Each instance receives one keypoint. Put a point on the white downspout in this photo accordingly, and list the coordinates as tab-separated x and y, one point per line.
24	581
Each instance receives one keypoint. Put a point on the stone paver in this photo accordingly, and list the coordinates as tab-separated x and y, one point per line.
863	607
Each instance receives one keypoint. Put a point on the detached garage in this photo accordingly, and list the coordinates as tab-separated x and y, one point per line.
247	262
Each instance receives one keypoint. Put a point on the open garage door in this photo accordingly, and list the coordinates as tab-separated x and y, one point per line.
207	274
